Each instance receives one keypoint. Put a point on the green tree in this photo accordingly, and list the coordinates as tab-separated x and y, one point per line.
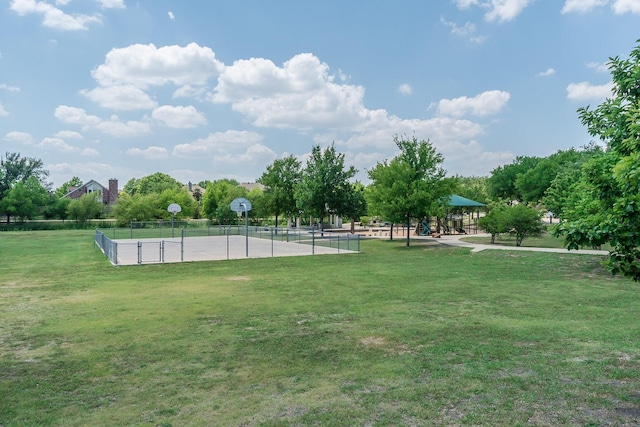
519	220
15	169
325	185
357	205
502	182
154	183
280	181
55	207
523	222
258	204
615	179
25	199
410	185
473	187
180	196
495	222
134	208
218	194
87	207
63	190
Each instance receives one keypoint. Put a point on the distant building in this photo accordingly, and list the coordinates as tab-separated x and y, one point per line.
109	194
251	185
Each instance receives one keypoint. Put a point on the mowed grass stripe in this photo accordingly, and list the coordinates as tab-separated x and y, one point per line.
392	336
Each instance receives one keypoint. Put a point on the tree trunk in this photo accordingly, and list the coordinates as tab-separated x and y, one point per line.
408	225
353	225
391	233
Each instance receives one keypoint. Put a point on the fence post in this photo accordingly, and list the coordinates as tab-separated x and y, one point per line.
228	230
313	241
182	246
131	230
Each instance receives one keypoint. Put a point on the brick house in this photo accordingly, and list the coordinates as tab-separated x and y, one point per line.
109	194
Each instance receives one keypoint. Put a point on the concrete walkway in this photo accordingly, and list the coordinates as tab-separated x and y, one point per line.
454	240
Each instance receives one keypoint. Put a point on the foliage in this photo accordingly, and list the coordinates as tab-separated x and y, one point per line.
519	220
280	181
502	182
15	169
524	221
410	185
325	184
258	203
611	188
55	207
216	202
63	190
24	199
134	208
495	221
154	183
87	207
473	187
180	196
357	205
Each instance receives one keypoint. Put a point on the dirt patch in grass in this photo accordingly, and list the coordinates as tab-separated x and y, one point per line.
238	278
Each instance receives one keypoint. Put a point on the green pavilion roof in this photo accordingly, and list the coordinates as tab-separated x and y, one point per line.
460	201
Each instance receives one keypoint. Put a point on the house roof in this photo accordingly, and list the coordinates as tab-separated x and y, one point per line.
86	184
459	201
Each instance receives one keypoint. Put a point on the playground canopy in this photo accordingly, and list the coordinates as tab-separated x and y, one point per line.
459	201
455	221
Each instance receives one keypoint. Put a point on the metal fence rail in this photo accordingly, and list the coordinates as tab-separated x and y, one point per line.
145	245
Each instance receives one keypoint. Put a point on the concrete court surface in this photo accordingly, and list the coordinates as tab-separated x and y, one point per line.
211	248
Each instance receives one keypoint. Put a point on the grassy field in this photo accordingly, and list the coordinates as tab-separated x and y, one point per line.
426	335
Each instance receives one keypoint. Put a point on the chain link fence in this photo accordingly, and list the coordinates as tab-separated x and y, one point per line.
158	243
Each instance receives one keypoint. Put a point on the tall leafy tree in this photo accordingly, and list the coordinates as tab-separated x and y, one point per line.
613	186
87	207
216	202
325	186
280	180
25	199
357	205
411	185
15	169
154	183
502	182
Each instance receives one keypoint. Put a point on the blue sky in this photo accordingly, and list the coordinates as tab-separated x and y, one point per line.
201	90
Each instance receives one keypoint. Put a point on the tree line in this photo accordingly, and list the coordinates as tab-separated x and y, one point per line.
593	190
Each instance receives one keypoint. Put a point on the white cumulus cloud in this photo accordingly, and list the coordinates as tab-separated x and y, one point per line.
585	91
147	65
626	6
405	89
54	17
20	138
487	103
179	117
120	97
56	144
497	10
149	152
547	72
218	143
582	6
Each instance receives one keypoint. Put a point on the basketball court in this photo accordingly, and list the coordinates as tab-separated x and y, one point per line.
211	248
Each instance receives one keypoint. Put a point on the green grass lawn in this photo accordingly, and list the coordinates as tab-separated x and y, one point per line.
426	335
544	241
